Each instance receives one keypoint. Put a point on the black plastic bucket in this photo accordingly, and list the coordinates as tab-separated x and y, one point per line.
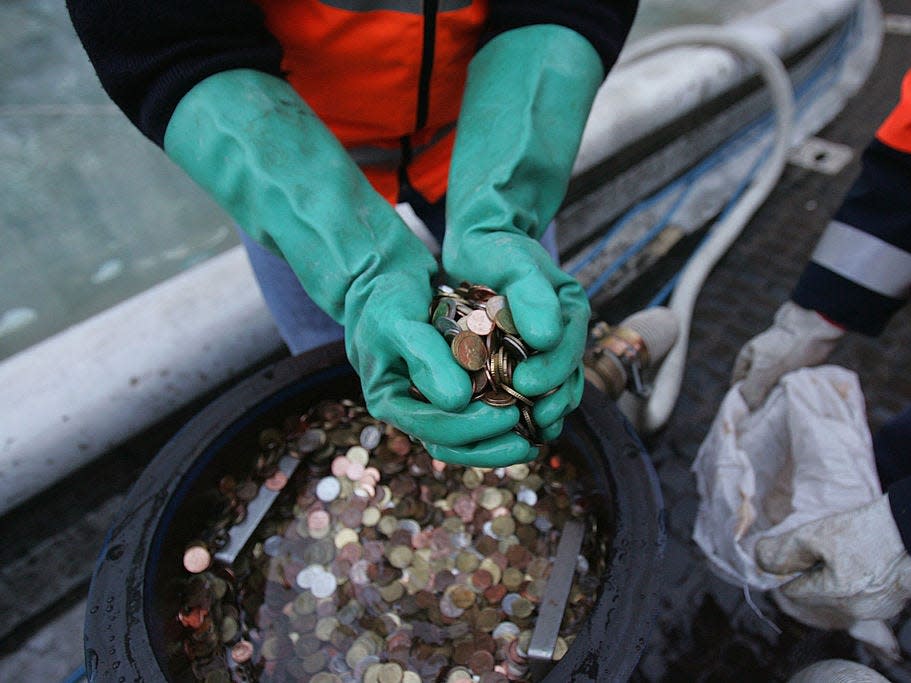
125	630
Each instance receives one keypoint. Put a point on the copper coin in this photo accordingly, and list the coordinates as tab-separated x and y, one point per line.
498	399
339	466
469	350
480	292
400	444
478	322
242	651
478	381
494	594
481	662
277	481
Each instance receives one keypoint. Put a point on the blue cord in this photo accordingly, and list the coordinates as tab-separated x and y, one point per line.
668	287
77	676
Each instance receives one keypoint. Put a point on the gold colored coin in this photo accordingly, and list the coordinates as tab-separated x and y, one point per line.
522	608
390	673
505	322
400	556
469	350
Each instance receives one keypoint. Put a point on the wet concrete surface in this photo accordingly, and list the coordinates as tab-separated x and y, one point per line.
705	629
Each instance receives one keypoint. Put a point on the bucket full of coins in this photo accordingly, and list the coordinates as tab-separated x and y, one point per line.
286	535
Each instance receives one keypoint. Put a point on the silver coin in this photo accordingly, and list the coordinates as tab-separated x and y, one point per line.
527	496
311	440
371	437
272	546
324	584
507	630
328	489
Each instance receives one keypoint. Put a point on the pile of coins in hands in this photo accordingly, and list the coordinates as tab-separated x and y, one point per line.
379	564
478	324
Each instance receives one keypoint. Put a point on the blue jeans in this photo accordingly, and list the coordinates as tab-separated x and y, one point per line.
301	323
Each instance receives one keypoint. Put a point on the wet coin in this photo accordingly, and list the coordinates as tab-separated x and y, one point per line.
504	321
493	306
478	322
418	578
447	327
277	481
311	440
241	651
370	437
469	350
328	489
197	559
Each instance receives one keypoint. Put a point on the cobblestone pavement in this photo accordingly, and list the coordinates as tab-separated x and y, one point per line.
705	629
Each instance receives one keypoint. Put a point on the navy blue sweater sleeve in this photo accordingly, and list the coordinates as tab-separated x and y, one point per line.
149	53
605	23
860	273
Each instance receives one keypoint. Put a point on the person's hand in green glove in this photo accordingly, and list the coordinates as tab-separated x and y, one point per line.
527	99
251	141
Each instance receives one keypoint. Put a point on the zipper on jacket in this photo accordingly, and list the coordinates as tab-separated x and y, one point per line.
430	29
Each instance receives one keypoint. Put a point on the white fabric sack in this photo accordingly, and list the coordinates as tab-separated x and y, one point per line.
806	453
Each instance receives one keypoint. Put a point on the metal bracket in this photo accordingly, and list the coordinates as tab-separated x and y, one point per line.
257	509
556	593
822	156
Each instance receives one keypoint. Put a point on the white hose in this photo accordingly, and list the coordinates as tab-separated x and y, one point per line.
666	387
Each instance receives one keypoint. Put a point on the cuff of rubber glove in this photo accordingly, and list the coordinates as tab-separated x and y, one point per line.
604	24
900	505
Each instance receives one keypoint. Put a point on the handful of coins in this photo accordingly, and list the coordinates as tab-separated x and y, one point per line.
477	323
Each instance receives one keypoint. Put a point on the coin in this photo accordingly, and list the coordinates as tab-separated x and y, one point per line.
277	481
498	399
447	327
481	662
478	322
241	651
328	489
196	559
493	306
421	574
390	673
504	321
359	454
469	350
370	437
311	440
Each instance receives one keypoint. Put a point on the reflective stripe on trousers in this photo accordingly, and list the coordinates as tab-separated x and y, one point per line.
865	260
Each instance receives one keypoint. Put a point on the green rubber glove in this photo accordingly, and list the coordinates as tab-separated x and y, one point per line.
526	102
265	156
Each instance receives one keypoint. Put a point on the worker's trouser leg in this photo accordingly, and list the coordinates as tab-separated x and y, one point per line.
892	446
301	323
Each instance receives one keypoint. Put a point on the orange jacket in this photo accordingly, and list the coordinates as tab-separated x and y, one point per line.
386	75
355	62
895	131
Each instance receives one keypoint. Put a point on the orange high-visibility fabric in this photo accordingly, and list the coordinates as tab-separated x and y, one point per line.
360	71
895	131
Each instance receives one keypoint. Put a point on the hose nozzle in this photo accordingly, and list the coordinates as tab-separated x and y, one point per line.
618	354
